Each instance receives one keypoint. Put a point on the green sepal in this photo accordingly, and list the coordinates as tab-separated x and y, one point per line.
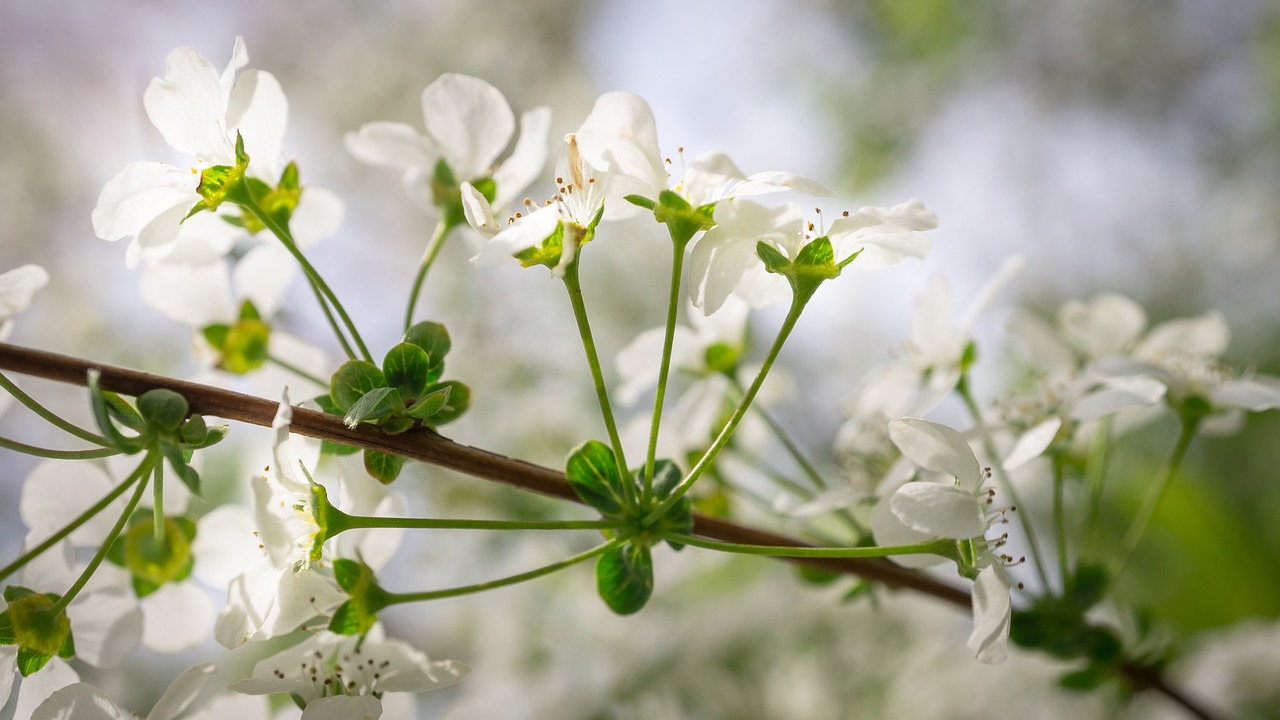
216	185
193	431
30	661
152	564
641	201
819	255
164	409
860	589
774	261
243	346
456	404
679	519
407	368
378	403
102	403
187	474
1090	677
212	436
431	403
546	253
683	221
624	577
13	592
358	614
38	632
593	474
352	380
723	358
383	467
433	338
817	576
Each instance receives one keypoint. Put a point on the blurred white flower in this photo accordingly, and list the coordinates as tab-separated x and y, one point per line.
83	701
468	124
17	287
199	113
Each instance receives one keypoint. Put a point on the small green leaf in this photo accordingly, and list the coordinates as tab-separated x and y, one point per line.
641	201
624	577
455	406
396	425
383	467
352	381
774	261
407	368
679	519
193	430
431	403
376	404
102	403
817	576
593	474
1089	678
1088	586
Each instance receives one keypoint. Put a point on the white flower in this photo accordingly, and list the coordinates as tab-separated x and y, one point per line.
580	197
17	286
199	113
468	124
724	260
83	701
284	586
638	362
620	137
960	510
345	676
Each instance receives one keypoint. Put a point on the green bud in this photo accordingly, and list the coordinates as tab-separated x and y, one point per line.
31	623
157	562
164	409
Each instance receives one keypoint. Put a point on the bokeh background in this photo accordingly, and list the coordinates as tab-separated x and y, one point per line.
1130	147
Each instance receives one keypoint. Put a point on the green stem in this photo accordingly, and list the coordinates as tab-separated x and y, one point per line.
57	454
944	547
1155	494
351	522
72	526
428	259
1096	477
574	286
789	323
1002	477
107	542
398	598
1060	523
322	289
157	504
664	369
48	415
290	367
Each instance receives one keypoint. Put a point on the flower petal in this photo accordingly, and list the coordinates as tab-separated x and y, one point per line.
1032	443
35	689
620	136
526	161
138	195
886	236
1109	324
182	691
177	617
391	144
470	122
991	617
939	448
106	626
1205	336
938	510
188	107
55	492
259	111
79	701
526	232
17	287
343	707
889	530
1250	395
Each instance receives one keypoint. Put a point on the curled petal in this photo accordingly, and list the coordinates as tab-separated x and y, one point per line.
1032	443
886	236
938	510
939	448
992	614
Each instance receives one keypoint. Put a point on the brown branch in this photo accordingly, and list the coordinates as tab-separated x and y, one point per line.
430	447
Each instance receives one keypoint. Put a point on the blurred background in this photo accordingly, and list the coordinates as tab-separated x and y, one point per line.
1129	147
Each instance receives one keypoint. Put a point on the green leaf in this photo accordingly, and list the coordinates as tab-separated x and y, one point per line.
162	408
396	425
1089	678
434	339
431	403
817	576
679	519
624	577
407	368
101	402
383	467
1088	586
352	381
593	474
193	430
376	404
774	261
457	404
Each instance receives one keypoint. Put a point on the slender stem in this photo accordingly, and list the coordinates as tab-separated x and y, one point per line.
313	276
946	548
1002	477
1060	523
574	286
362	521
1095	479
789	323
49	415
57	454
157	504
664	369
428	259
290	367
108	541
72	526
397	598
1155	494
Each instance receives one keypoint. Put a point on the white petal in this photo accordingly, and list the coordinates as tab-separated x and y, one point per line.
526	232
318	215
8	668
938	510
195	295
721	256
264	277
939	448
301	596
187	107
470	122
620	137
638	362
241	707
1115	395
225	544
35	689
375	547
177	617
1109	324
343	707
770	179
1250	395
1204	336
886	236
526	161
18	285
138	194
1032	444
1007	270
391	144
889	531
259	111
250	597
991	617
79	701
56	491
182	691
478	211
106	627
1036	343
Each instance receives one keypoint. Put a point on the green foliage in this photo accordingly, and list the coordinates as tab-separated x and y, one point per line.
593	474
383	467
624	577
